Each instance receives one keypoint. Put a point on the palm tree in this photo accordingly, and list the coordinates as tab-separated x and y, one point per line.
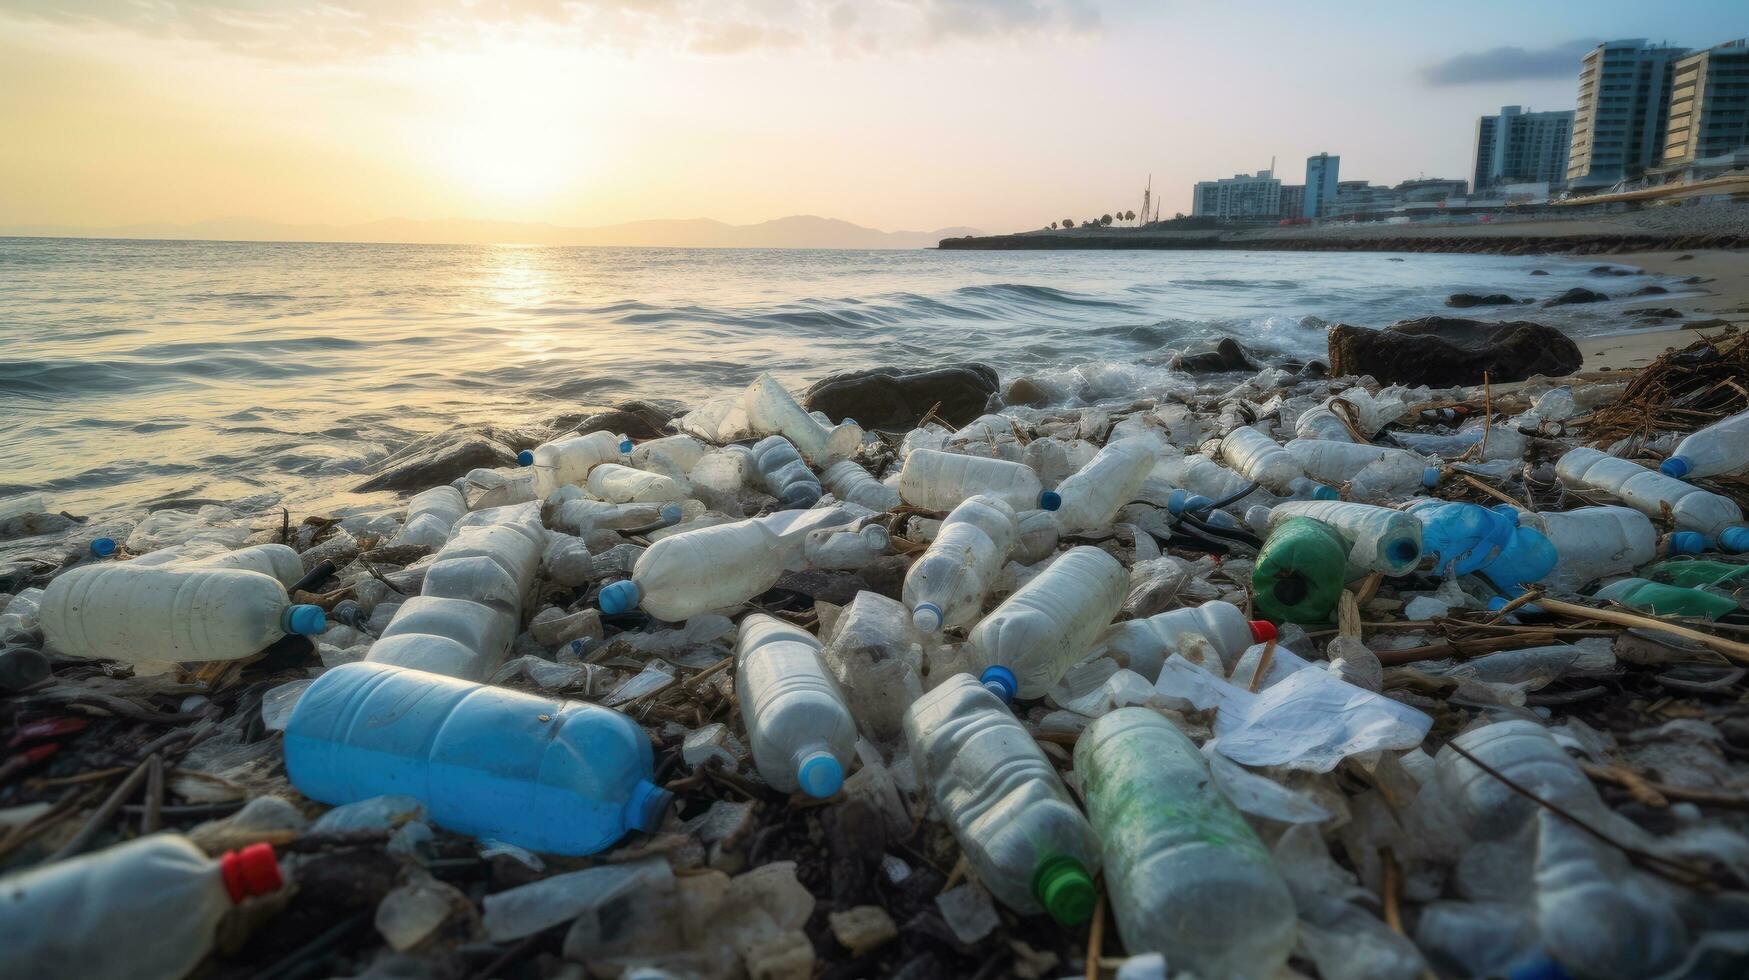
1105	220
1053	226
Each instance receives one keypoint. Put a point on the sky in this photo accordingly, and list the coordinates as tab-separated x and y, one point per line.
897	114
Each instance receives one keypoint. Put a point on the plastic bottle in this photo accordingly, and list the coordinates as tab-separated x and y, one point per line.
1651	493
1528	557
1199	475
557	776
1524	752
697	571
1460	537
725	470
583	516
849	481
1092	496
1262	460
1185	873
1018	827
1143	645
1379	539
940	481
785	475
1036	538
1321	423
1594	542
169	613
568	461
682	451
1300	572
798	726
431	514
842	548
1693	573
1387	470
1659	599
1720	448
772	410
414	637
624	485
948	584
146	909
1032	639
273	560
1596	916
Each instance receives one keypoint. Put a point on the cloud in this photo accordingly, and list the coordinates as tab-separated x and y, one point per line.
1509	64
353	29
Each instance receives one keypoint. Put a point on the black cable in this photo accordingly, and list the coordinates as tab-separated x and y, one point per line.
1233	498
1229	533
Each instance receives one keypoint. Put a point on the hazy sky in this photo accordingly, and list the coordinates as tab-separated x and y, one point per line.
917	114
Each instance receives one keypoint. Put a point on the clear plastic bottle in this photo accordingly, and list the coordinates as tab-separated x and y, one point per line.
1523	751
697	571
1651	492
1321	423
484	631
1142	645
849	481
1598	918
274	560
508	546
1047	626
1386	470
948	584
1092	496
624	485
1262	460
1017	826
799	728
568	461
1595	542
1718	449
936	480
146	909
1379	539
1199	475
785	475
557	776
431	515
725	470
1185	873
583	516
169	613
682	451
843	548
1036	536
772	410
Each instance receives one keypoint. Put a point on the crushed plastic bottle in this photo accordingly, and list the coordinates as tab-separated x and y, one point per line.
1375	471
1652	493
619	484
1321	423
849	481
275	560
1298	576
785	475
1018	827
1379	539
169	613
941	481
556	776
568	461
1092	496
681	452
1597	917
1595	542
798	726
772	410
1658	599
1715	450
1261	459
582	516
1523	751
1186	875
147	909
947	586
843	548
1026	645
1142	645
699	571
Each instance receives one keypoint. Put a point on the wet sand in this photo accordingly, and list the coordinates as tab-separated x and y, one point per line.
1726	298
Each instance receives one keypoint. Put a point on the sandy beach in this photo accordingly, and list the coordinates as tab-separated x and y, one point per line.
1726	297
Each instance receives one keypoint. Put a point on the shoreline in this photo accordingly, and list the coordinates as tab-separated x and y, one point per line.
1724	296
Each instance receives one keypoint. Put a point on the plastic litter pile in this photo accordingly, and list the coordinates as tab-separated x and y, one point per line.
1291	677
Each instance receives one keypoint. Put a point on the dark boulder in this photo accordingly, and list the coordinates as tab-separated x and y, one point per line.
1610	270
441	457
1025	391
890	398
1578	294
1226	355
1664	312
1653	290
1466	300
637	419
1441	351
1539	272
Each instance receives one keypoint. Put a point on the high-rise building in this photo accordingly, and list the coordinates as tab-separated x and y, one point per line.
1623	106
1320	184
1518	147
1241	197
1709	104
1293	200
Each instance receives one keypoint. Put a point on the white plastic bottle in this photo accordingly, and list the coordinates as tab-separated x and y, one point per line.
568	461
1379	539
1036	536
724	470
169	613
682	451
583	516
1092	496
771	410
510	547
1386	469
1030	641
1595	542
798	727
1321	423
1018	827
1143	645
143	910
1198	474
1720	448
1523	751
484	631
843	548
274	560
697	571
1186	875
431	515
619	484
940	481
1261	459
1650	492
849	481
948	584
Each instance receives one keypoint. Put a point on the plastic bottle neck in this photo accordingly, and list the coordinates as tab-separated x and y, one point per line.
1062	885
818	771
647	807
1000	681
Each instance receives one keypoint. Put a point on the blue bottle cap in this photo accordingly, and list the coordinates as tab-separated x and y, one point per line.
1050	500
647	806
1734	540
525	458
1322	492
1675	466
670	513
103	547
1686	543
1179	501
820	775
926	617
1497	603
304	619
999	680
1430	477
618	597
625	444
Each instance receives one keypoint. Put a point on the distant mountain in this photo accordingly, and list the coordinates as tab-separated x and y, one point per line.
797	231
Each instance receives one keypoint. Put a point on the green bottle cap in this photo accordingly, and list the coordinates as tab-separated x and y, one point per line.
1063	886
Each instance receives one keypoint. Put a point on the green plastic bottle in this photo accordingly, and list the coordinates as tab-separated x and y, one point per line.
1694	573
1666	600
1299	572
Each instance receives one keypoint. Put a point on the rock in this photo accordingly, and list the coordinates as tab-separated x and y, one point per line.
1649	291
1665	312
1466	300
1610	270
1578	294
1227	355
637	419
889	398
1539	272
443	457
1025	391
1684	257
862	929
1445	351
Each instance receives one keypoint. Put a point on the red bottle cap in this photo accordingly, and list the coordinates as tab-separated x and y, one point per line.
250	871
1262	630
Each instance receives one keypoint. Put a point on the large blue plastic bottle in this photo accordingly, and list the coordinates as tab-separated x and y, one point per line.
561	777
1463	537
1529	556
